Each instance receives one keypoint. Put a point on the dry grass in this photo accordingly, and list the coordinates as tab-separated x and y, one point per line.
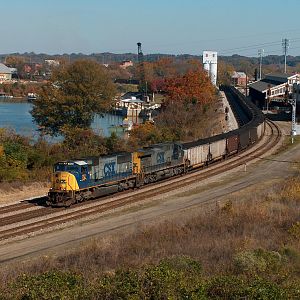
269	221
16	191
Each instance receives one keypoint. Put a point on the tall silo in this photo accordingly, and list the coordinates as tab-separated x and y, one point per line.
210	64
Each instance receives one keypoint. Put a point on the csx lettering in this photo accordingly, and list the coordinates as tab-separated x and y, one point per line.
160	158
109	169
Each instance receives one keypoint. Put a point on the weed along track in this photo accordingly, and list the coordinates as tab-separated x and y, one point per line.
29	219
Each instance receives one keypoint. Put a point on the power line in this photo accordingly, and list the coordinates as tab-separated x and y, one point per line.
254	47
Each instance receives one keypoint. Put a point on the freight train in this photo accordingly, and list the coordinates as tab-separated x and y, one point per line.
79	180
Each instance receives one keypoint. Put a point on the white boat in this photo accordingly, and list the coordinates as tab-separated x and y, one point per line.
31	97
5	96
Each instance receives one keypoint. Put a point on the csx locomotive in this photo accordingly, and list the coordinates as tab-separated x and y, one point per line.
79	180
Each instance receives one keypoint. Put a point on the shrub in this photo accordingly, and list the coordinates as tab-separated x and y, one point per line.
257	261
262	289
226	287
124	284
232	287
175	278
248	261
294	230
51	285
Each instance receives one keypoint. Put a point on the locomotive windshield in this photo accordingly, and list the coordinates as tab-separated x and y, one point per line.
66	167
59	167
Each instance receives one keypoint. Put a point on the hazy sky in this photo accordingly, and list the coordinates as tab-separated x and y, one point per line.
162	26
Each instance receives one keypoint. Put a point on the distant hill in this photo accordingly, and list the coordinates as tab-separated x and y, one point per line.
108	57
239	62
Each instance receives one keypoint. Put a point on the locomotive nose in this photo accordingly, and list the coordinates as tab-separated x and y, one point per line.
64	181
59	181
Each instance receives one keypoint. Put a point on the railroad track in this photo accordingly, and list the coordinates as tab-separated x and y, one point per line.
28	220
26	204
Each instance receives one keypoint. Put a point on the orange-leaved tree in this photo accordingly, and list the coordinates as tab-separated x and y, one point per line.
189	98
193	87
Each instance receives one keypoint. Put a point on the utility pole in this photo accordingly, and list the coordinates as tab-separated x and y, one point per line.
260	54
296	88
246	92
285	46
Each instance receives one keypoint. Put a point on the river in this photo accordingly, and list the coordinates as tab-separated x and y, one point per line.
16	116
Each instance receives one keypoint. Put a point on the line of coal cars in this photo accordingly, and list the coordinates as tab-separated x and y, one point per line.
79	180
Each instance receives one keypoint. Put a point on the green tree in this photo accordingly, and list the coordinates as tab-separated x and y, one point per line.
225	71
74	94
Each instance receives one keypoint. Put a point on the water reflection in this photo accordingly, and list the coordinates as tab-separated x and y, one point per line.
17	117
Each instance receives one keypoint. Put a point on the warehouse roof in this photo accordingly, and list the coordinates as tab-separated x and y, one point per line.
270	80
4	69
260	86
280	75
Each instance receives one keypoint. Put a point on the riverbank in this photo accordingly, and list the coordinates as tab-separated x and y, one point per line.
14	99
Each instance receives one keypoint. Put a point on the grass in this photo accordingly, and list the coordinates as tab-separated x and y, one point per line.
287	144
267	221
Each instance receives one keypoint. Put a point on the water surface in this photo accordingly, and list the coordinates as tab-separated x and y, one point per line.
16	115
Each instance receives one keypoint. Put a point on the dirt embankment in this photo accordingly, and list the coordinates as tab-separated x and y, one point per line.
13	192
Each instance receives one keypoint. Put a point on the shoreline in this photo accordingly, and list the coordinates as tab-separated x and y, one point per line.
15	100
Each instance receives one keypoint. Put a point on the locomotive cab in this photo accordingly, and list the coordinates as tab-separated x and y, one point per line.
68	177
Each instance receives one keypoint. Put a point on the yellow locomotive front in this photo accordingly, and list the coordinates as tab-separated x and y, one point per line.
64	184
63	181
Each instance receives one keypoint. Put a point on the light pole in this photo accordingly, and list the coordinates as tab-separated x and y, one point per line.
268	98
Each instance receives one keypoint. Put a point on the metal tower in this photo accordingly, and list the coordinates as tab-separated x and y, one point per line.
140	53
293	102
260	54
143	84
285	46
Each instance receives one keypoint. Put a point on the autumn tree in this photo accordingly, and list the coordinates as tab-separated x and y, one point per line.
144	135
193	87
74	94
15	62
225	71
189	99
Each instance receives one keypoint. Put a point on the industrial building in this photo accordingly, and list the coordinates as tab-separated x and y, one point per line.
239	79
5	73
275	87
210	65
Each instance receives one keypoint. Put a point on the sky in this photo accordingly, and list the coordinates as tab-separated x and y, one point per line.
162	26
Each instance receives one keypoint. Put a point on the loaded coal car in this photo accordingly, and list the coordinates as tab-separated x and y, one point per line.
196	153
244	138
205	151
232	143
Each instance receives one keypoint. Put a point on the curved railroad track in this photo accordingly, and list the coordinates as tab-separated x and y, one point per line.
26	218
